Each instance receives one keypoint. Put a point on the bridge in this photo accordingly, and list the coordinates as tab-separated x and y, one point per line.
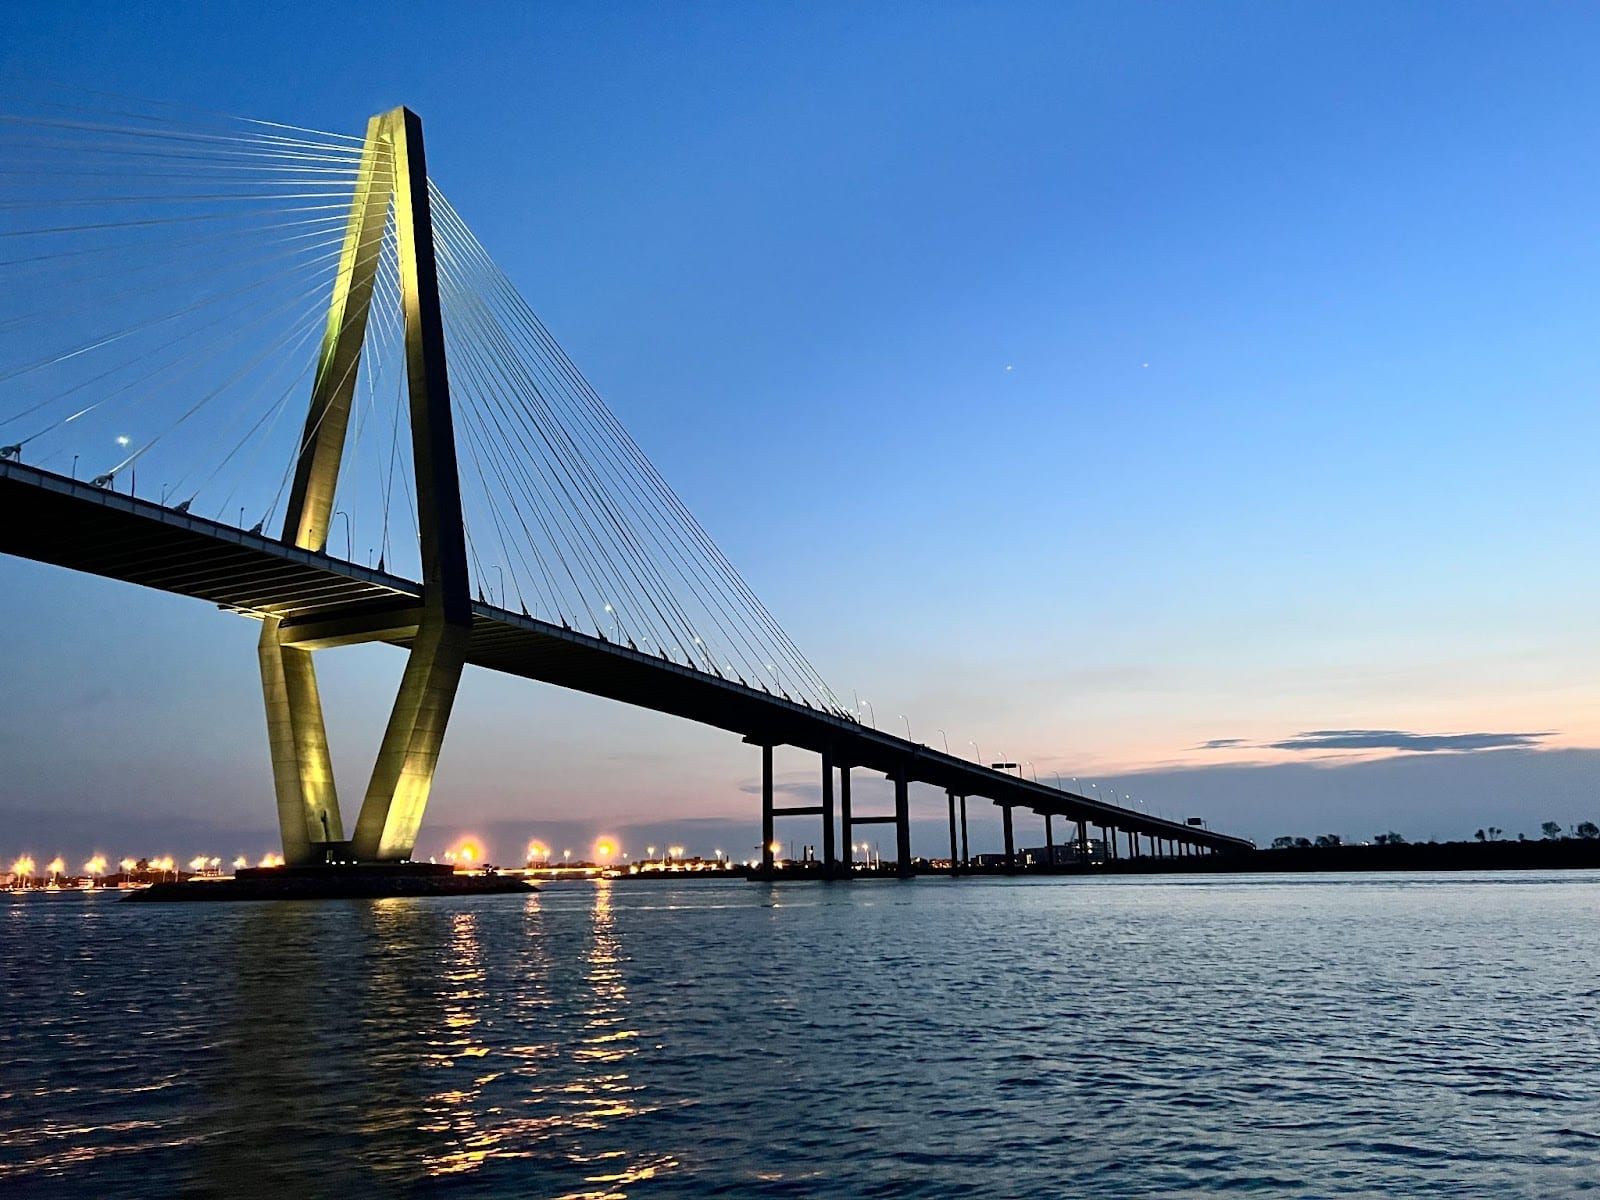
606	584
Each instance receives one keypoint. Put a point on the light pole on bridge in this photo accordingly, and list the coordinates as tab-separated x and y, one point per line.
349	542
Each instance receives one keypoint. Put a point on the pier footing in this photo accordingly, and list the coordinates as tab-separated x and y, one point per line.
362	881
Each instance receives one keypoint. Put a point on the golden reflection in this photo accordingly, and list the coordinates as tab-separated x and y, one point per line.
568	1111
453	1112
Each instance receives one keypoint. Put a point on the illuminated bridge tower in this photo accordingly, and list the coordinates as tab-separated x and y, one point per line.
392	175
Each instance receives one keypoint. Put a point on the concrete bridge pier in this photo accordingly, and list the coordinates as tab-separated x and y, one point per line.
902	823
1011	842
768	830
830	863
966	846
1049	841
846	826
1083	840
955	861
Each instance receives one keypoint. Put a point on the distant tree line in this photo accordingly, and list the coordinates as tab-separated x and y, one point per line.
1492	833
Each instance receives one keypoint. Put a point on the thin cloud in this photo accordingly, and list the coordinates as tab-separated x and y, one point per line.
1221	743
1397	739
781	788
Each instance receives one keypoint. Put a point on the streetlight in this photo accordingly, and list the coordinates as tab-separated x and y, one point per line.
502	571
907	720
977	755
872	712
133	468
349	545
945	739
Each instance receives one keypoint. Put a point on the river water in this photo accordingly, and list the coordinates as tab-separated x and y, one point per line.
1289	1036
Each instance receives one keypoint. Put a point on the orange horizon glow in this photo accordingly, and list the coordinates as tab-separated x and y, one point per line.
466	852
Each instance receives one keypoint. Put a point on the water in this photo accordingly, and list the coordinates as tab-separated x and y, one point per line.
1406	1036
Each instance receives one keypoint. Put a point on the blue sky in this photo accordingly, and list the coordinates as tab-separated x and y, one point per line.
1092	382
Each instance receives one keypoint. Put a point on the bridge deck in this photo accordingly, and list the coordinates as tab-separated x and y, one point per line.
49	518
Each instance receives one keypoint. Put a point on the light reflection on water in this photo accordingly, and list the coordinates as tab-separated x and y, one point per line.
1302	1037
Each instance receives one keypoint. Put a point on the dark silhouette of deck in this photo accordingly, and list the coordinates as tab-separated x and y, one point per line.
49	518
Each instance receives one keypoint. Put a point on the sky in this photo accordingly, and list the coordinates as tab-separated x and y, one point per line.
1196	400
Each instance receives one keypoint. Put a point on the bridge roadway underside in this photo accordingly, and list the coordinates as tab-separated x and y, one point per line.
52	519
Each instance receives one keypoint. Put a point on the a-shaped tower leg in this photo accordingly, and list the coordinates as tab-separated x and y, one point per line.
393	170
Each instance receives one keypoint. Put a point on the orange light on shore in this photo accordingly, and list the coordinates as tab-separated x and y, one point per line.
271	860
57	865
23	866
605	848
240	862
538	852
465	852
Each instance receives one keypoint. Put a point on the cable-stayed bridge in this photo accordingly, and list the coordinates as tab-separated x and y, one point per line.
296	339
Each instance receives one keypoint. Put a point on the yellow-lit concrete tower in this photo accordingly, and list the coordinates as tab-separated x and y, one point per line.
393	172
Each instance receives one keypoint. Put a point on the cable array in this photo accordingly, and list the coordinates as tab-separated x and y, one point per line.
581	526
167	278
165	283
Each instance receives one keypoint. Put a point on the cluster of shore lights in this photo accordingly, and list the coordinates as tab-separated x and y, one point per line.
469	854
25	869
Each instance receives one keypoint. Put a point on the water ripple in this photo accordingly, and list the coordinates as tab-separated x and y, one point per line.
1283	1037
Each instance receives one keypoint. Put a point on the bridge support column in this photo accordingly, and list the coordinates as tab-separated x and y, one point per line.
392	171
1049	841
966	846
391	813
1011	845
902	823
845	826
768	830
302	768
955	862
829	857
1083	840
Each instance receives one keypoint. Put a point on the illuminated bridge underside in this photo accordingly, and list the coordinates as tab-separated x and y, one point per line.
51	519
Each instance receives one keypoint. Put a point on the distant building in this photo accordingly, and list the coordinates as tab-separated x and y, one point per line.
1063	854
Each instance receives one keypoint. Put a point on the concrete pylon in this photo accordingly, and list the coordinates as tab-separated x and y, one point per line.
393	172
